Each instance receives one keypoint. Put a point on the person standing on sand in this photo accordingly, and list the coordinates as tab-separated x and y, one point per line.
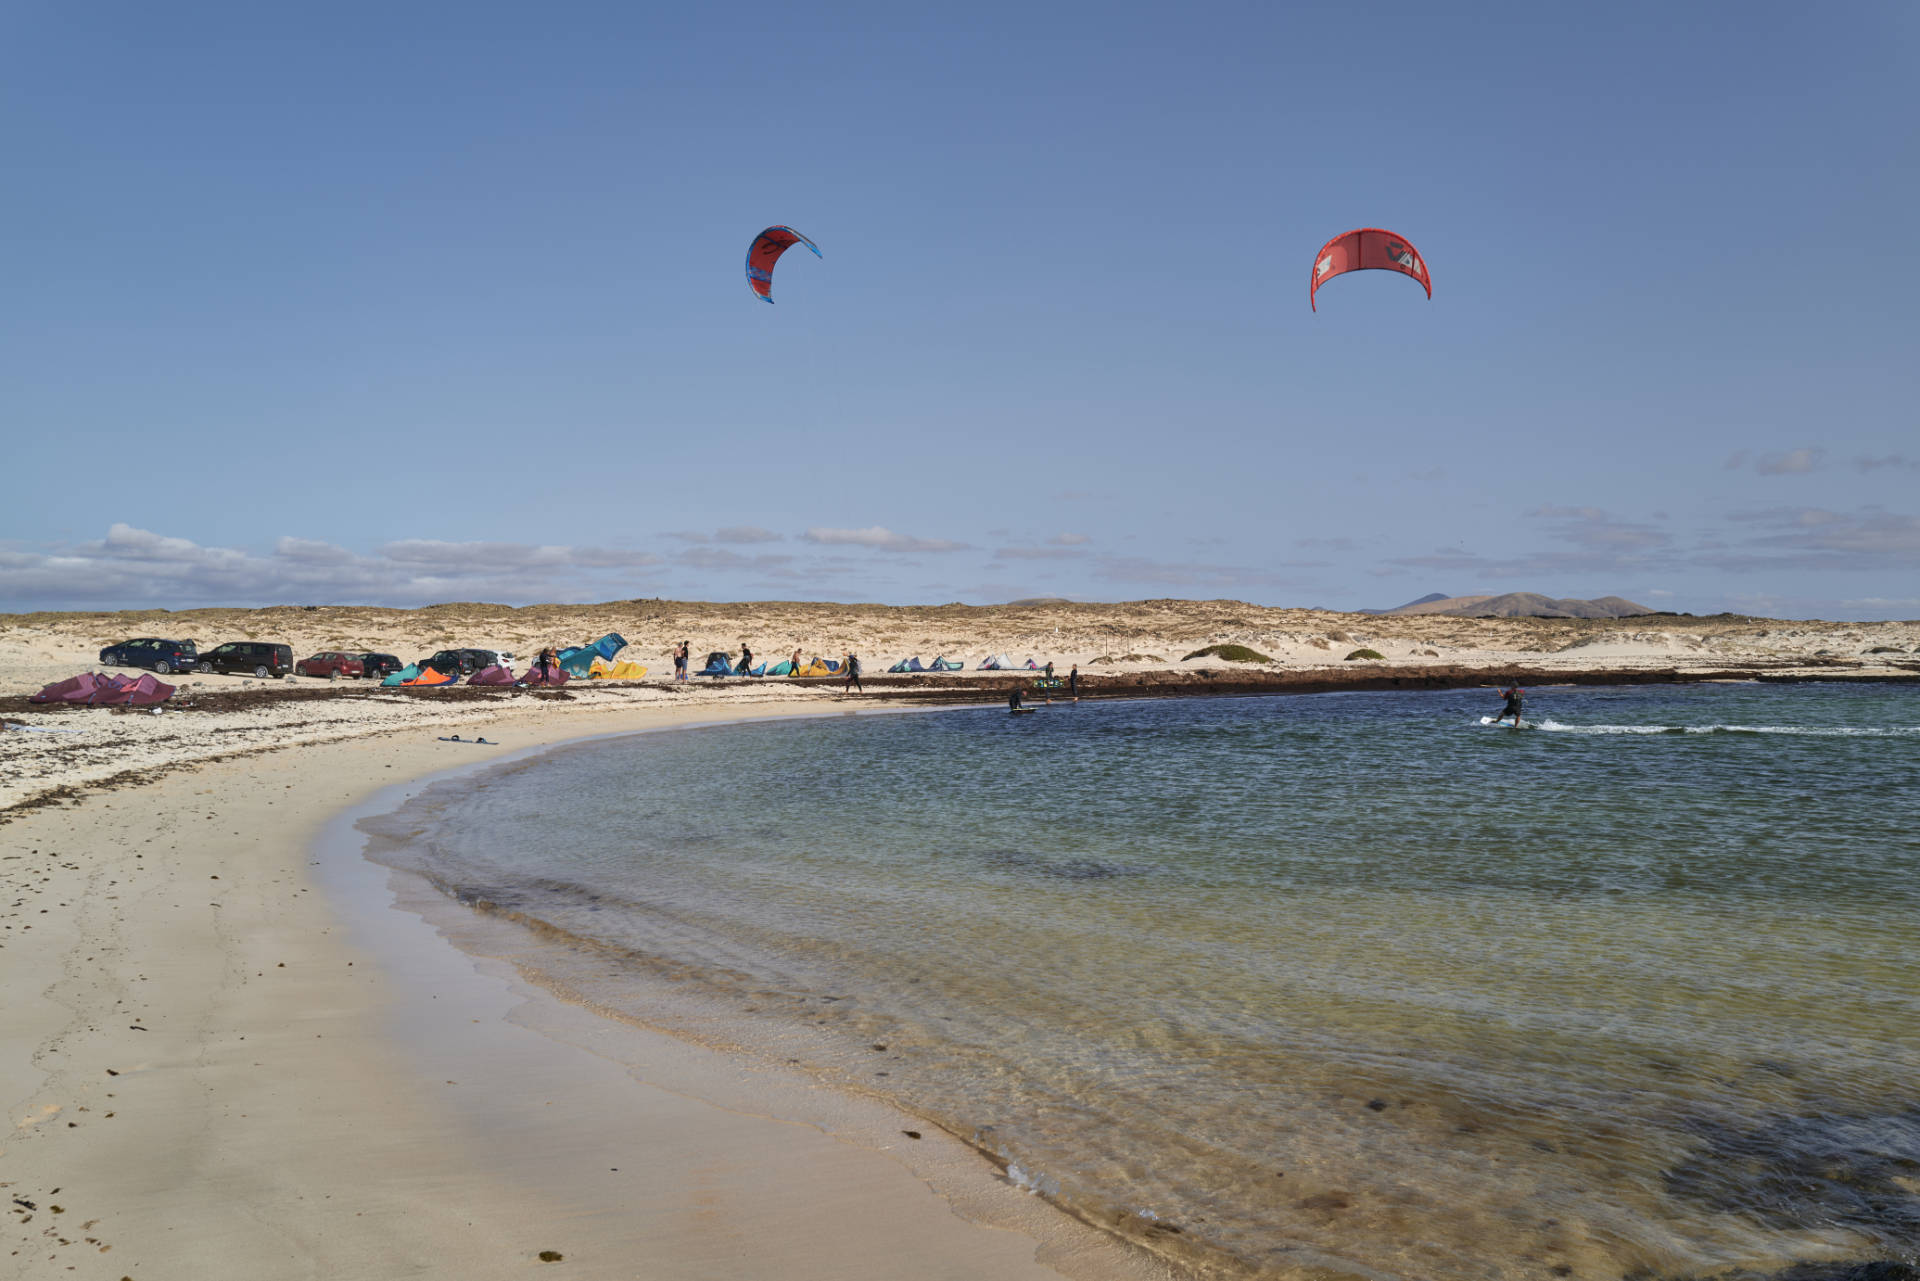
680	661
546	665
1513	694
794	670
853	674
746	660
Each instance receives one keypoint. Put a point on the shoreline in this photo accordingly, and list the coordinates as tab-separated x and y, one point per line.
219	1049
56	753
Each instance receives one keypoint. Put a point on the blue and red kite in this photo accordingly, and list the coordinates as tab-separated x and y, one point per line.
765	251
1367	249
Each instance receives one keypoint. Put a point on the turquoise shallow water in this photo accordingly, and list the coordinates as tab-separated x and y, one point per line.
1347	985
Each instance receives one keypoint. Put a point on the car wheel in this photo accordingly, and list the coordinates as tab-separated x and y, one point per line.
262	672
333	673
161	667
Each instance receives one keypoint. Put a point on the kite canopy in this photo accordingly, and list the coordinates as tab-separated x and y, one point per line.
765	251
1367	249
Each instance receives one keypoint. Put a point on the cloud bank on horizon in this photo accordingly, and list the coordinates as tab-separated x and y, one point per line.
134	568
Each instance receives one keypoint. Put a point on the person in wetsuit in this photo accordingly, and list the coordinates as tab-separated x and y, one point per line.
1073	683
1513	695
1013	700
853	674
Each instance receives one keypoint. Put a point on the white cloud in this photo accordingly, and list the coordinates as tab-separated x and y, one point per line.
721	558
1870	538
879	538
746	534
1069	540
1793	462
1884	602
133	567
1896	462
728	534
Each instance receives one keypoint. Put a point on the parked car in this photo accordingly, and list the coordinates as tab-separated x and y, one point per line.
161	656
255	658
463	661
375	665
331	664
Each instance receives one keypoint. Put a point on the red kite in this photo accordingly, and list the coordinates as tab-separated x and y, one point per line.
1366	249
765	251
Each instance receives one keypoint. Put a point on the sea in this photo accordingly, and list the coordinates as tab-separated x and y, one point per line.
1343	985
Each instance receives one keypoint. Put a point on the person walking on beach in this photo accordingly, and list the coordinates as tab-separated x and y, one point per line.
1513	695
680	661
746	660
853	674
794	669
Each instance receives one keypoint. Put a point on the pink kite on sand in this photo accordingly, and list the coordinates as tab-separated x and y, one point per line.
106	691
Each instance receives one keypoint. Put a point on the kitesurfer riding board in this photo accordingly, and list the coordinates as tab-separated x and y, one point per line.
1514	695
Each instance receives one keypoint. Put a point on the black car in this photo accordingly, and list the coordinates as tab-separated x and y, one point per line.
462	661
162	656
252	658
377	665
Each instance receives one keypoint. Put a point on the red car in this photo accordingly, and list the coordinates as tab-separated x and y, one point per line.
331	664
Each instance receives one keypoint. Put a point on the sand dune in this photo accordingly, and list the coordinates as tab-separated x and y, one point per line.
1523	605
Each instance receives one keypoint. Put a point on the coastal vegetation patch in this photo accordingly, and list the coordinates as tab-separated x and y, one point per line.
1364	653
1231	653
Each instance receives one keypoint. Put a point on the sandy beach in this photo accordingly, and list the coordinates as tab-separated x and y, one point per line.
227	1054
233	1047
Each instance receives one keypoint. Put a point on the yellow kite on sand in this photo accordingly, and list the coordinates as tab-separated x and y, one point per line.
624	670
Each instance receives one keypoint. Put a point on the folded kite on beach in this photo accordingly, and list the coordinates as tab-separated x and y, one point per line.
95	690
624	670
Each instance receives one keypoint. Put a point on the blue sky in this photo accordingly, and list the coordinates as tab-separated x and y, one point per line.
402	304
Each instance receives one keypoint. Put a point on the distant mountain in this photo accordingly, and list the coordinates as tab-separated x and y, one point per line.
1523	605
1428	599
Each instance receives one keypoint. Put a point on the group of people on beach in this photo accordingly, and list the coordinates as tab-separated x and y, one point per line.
849	665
